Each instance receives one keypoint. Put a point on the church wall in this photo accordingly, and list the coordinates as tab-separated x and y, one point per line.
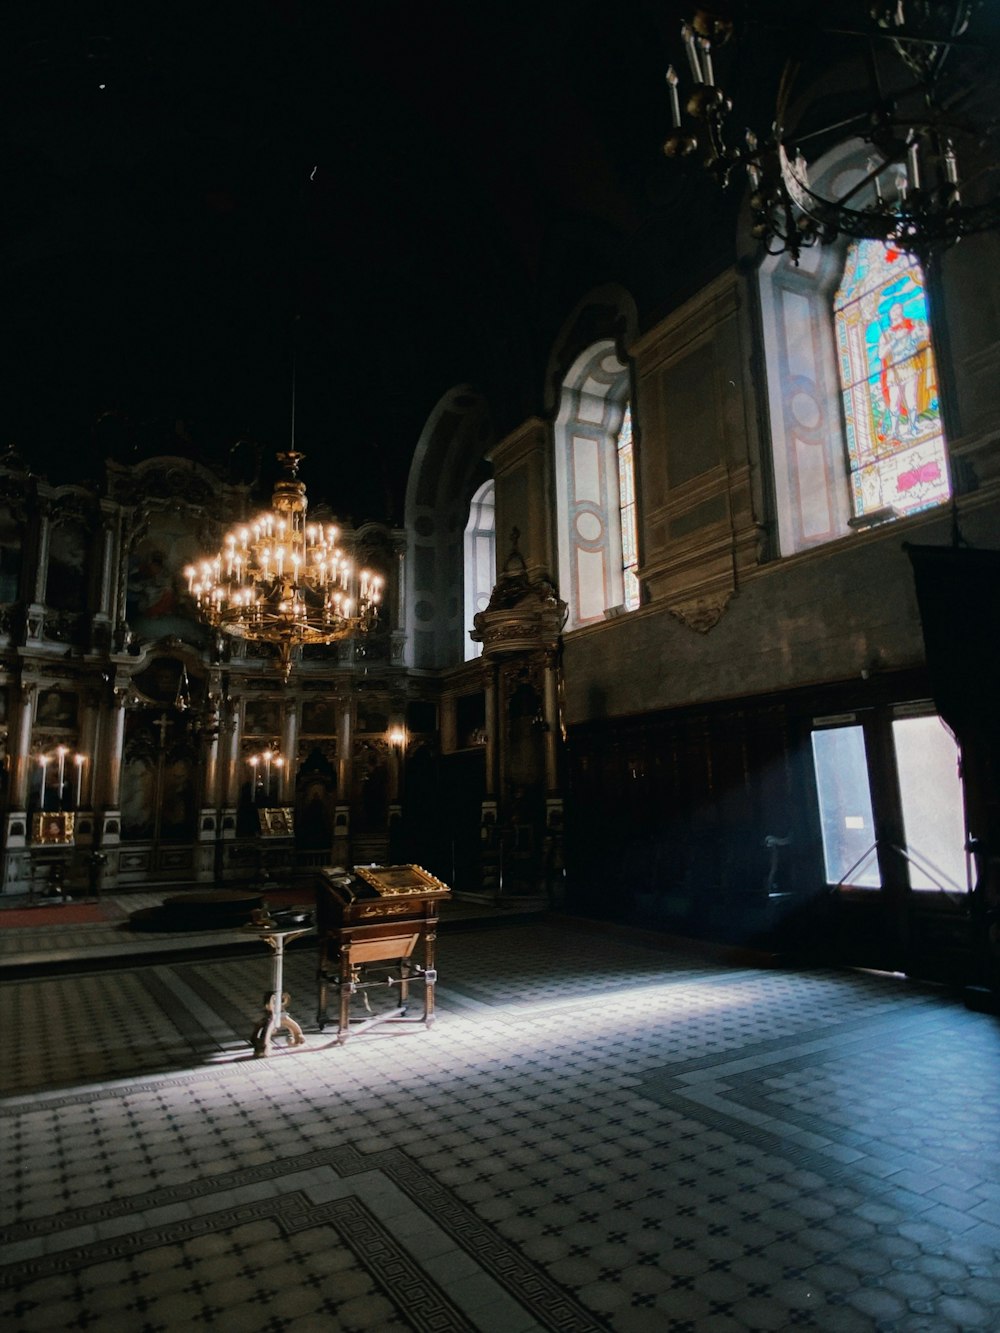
828	615
689	720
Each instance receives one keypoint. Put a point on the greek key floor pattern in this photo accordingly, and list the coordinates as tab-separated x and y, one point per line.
596	1134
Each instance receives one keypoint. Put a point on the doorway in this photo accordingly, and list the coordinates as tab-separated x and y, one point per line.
892	827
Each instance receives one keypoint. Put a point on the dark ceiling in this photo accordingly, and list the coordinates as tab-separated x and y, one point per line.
409	195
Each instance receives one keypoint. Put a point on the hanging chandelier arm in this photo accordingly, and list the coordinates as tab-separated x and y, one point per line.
923	80
860	118
789	75
962	43
986	170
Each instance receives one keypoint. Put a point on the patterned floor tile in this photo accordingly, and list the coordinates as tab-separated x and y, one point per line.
599	1135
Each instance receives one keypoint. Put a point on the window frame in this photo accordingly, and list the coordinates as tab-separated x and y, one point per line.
594	397
808	459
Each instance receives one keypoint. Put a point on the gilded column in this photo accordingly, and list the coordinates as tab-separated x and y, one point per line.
114	750
107	563
492	727
231	777
211	751
89	738
42	554
345	741
22	755
551	691
289	747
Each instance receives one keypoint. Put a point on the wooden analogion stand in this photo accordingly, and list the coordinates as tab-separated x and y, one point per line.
371	923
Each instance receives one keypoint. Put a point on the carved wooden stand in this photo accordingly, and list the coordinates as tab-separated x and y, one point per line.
275	1017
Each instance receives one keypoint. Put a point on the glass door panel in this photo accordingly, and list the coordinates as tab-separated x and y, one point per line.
845	807
930	789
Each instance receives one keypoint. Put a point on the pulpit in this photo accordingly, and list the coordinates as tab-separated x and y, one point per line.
377	928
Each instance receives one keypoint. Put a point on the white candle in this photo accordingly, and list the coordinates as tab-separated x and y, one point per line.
43	760
79	761
913	161
675	101
706	61
61	752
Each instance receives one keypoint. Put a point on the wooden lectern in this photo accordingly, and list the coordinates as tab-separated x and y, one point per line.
372	920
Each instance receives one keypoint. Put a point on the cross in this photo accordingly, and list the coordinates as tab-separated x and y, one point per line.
162	722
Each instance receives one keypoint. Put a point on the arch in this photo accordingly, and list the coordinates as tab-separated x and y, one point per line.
607	313
448	468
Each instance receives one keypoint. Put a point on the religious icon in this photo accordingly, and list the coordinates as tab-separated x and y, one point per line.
319	718
56	709
54	828
261	717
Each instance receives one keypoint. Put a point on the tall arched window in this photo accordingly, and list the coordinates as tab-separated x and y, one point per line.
627	515
595	488
480	560
892	417
856	433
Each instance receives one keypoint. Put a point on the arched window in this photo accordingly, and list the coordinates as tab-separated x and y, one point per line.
480	560
892	417
627	515
856	435
595	488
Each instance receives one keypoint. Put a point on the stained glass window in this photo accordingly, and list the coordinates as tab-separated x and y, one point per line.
892	416
626	506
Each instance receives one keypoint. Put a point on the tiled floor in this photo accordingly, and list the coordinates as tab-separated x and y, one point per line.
594	1135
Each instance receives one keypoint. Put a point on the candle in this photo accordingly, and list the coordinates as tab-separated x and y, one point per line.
267	774
43	760
913	160
79	760
61	752
706	60
675	101
687	32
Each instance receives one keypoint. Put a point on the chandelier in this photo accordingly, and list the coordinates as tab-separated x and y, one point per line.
283	581
904	81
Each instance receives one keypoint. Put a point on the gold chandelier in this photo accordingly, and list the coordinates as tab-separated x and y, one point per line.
908	80
283	581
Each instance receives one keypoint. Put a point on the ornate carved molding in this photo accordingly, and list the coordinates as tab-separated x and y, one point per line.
524	614
702	613
168	479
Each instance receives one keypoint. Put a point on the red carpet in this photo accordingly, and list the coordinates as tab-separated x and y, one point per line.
89	914
61	915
